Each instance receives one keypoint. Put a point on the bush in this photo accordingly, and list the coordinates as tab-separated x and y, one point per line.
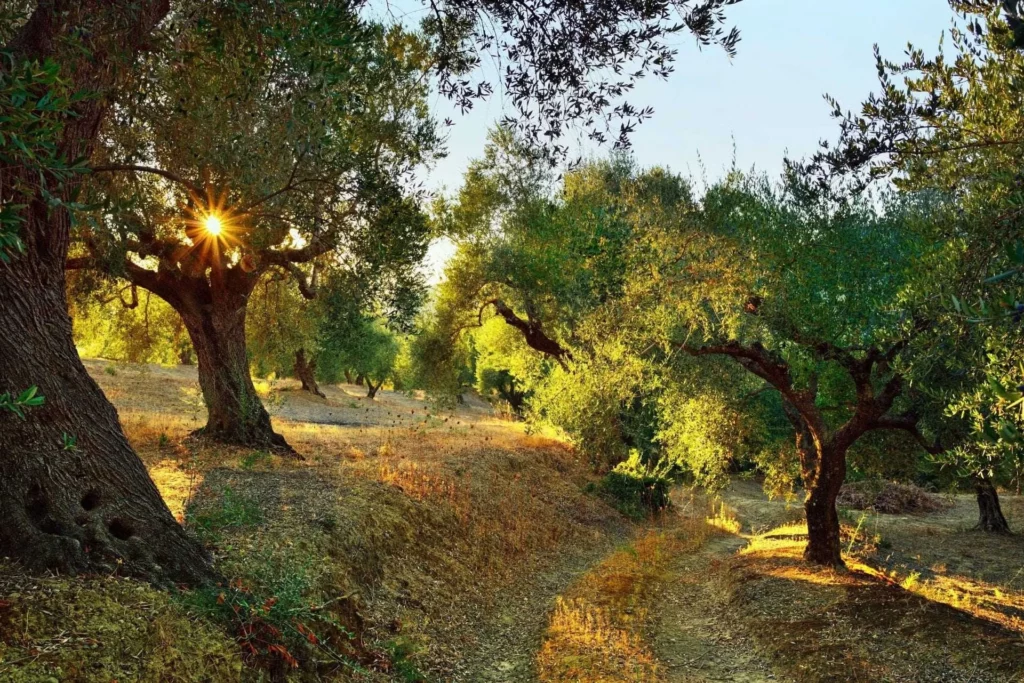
639	489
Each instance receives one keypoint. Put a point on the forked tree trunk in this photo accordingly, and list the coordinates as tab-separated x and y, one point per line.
216	325
371	391
306	372
74	497
990	514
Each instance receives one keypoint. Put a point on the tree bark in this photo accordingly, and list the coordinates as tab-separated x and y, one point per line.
990	514
823	470
215	320
74	497
371	391
306	372
823	540
213	307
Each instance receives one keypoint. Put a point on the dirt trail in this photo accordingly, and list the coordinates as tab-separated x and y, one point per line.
694	637
513	632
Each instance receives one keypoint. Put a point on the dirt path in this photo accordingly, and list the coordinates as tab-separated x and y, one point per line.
694	637
512	634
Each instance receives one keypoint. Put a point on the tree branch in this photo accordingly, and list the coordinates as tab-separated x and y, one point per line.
126	168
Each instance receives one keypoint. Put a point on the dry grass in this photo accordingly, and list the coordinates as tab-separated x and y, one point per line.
417	518
861	625
890	498
598	630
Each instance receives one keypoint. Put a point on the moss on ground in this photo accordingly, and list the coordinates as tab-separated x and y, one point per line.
104	629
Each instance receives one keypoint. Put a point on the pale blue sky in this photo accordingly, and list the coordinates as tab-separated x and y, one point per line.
764	103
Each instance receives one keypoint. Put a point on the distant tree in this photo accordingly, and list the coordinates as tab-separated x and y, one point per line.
293	150
506	368
368	350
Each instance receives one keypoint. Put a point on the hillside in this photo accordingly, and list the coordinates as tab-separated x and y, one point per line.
416	545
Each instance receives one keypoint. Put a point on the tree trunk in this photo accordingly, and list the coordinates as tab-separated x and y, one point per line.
83	507
74	497
306	372
990	514
348	377
823	485
371	391
235	413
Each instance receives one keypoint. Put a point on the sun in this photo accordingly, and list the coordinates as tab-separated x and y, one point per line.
212	225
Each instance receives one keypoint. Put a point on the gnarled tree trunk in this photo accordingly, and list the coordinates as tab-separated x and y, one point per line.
213	307
990	514
823	540
823	469
306	372
74	497
215	319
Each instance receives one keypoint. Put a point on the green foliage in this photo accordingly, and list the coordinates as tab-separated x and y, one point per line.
275	616
35	102
704	433
136	328
18	404
402	652
507	370
949	125
639	489
232	510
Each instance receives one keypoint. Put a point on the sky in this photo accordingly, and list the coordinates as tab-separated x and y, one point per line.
758	107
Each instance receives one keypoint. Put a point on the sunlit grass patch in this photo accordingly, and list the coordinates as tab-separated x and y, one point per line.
596	632
724	518
861	624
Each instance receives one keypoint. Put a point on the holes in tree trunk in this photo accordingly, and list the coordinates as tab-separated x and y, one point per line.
35	504
120	529
91	500
49	526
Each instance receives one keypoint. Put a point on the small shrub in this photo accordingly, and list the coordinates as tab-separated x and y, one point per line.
110	370
234	510
279	618
638	489
401	651
249	461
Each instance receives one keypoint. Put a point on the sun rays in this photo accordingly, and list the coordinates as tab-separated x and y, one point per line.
213	228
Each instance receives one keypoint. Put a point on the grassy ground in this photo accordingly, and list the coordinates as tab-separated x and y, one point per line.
926	598
406	528
416	545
